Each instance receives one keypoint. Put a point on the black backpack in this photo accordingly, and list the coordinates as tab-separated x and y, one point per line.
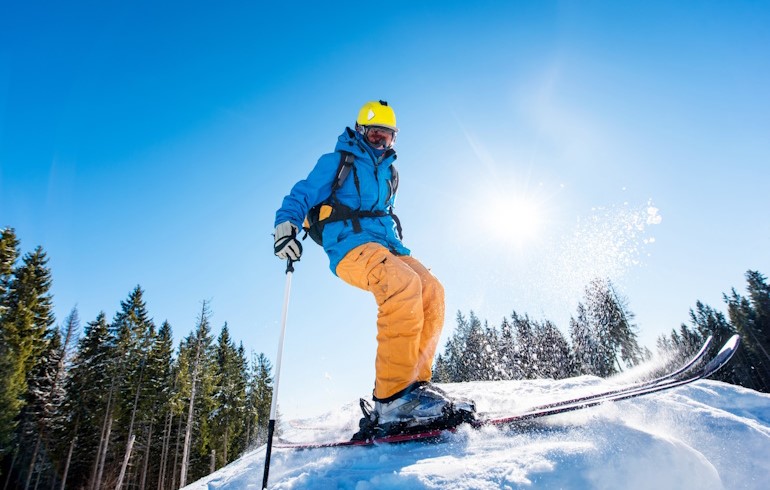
332	210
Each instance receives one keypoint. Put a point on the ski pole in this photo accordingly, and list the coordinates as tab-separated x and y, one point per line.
274	402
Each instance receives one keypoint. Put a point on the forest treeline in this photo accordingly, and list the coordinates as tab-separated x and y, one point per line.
112	403
602	340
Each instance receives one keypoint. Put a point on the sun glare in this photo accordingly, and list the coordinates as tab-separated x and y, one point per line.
515	219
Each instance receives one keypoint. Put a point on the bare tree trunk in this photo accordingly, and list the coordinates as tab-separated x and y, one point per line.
31	470
10	468
125	462
69	459
227	443
146	458
107	421
164	450
248	432
191	409
98	458
176	453
103	456
188	430
213	464
136	401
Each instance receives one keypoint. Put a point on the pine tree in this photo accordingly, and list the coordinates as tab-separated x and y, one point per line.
587	351
229	398
623	332
45	397
492	365
11	363
87	400
603	335
440	370
9	253
526	352
451	367
27	315
30	291
476	351
261	398
555	352
751	318
154	403
507	352
170	449
240	442
466	354
135	335
196	368
133	332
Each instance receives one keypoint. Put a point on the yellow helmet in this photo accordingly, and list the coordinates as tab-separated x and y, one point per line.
377	114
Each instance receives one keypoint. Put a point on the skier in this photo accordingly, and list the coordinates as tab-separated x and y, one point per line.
362	239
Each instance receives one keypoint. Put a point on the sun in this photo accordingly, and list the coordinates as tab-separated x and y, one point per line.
516	219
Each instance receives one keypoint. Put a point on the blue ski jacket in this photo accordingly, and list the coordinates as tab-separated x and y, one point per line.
376	194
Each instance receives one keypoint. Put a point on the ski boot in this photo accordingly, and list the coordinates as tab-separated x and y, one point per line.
421	407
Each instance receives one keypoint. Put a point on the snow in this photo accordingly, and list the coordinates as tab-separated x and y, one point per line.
708	435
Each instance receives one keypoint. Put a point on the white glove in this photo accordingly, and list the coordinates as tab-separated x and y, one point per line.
286	244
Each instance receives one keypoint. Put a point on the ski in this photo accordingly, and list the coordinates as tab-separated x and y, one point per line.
666	382
634	386
714	365
637	385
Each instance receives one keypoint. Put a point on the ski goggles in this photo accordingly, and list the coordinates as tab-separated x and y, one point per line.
379	136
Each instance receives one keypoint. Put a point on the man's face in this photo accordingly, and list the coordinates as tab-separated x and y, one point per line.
379	137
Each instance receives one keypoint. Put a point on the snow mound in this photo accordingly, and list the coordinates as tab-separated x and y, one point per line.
708	435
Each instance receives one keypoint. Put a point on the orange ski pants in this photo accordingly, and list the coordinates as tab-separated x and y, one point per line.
410	315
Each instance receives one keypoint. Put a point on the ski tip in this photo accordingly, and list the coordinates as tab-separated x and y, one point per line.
731	344
723	356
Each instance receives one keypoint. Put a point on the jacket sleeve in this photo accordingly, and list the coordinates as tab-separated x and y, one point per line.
305	194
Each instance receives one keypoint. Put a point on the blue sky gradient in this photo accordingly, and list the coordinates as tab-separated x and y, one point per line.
541	144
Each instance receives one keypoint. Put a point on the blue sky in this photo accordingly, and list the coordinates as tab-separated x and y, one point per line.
541	144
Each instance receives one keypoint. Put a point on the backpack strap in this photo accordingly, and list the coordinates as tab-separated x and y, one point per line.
313	225
393	189
346	164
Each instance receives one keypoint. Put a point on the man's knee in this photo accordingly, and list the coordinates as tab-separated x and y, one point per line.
394	280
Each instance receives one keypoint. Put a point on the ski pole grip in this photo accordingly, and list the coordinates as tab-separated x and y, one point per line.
289	266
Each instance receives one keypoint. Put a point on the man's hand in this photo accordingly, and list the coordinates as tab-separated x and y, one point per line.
286	244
